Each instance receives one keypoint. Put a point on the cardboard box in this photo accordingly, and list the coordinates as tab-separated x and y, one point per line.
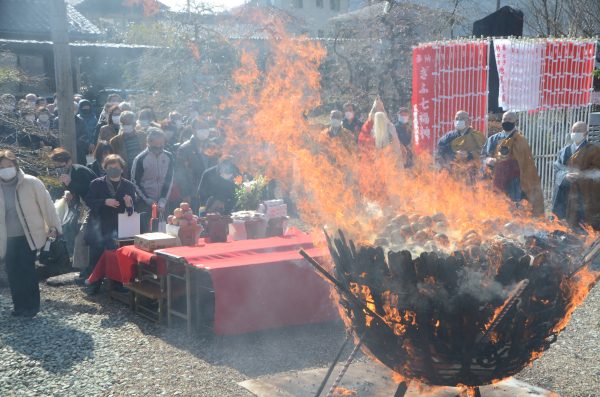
154	241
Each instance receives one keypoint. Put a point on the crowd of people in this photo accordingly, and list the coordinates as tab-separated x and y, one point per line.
127	160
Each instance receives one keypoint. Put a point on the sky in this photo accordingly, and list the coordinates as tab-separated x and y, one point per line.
180	4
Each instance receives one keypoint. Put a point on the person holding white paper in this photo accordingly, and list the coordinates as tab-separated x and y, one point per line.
108	197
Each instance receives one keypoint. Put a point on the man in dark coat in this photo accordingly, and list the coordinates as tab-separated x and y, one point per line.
404	133
86	125
191	162
576	195
217	187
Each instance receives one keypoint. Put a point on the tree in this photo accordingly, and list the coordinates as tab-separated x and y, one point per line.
190	59
371	53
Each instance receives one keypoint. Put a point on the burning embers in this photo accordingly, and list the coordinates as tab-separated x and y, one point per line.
465	311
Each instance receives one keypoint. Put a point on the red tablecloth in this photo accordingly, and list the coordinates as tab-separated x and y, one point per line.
119	265
261	290
258	284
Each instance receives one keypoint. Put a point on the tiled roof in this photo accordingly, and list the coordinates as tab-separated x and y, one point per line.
115	6
31	19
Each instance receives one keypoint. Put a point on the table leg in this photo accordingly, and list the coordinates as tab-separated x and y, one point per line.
168	294
188	298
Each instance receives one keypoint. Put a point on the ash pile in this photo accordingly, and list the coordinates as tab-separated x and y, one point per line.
446	309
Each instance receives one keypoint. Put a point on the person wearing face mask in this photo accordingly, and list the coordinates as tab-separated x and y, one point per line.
112	99
152	174
459	149
402	127
44	120
27	220
31	99
509	160
108	196
192	161
172	127
86	141
129	142
216	191
145	120
351	122
336	132
576	195
111	129
102	150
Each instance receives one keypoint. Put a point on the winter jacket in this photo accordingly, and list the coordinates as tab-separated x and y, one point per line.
107	132
214	187
190	165
97	169
35	209
103	221
118	145
152	176
81	177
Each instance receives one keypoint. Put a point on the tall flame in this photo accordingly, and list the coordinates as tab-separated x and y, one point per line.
268	132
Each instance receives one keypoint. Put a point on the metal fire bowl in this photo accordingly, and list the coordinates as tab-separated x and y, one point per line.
457	351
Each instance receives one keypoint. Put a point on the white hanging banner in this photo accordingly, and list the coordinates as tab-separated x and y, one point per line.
520	73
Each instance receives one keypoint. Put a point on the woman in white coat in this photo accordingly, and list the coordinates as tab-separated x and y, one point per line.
27	219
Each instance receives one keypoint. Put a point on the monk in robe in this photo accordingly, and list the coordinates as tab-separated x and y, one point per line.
459	150
576	196
510	162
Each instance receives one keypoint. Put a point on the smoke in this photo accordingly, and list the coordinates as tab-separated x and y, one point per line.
480	286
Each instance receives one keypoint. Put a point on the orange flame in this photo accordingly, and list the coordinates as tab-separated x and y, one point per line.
336	186
268	133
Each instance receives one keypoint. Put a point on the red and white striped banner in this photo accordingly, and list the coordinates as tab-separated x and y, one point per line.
448	77
538	74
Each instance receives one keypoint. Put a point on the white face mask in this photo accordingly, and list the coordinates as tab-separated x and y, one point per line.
116	119
349	115
127	129
202	134
460	125
335	123
30	118
8	173
577	137
43	118
403	119
144	123
178	123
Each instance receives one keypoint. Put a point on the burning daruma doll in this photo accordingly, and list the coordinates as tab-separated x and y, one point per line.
508	157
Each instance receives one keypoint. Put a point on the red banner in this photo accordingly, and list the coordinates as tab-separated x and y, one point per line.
448	77
567	73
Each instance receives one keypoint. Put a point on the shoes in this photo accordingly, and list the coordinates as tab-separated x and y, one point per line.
94	288
29	313
24	313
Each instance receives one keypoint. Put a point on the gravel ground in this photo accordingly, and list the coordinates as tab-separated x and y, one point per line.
91	346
